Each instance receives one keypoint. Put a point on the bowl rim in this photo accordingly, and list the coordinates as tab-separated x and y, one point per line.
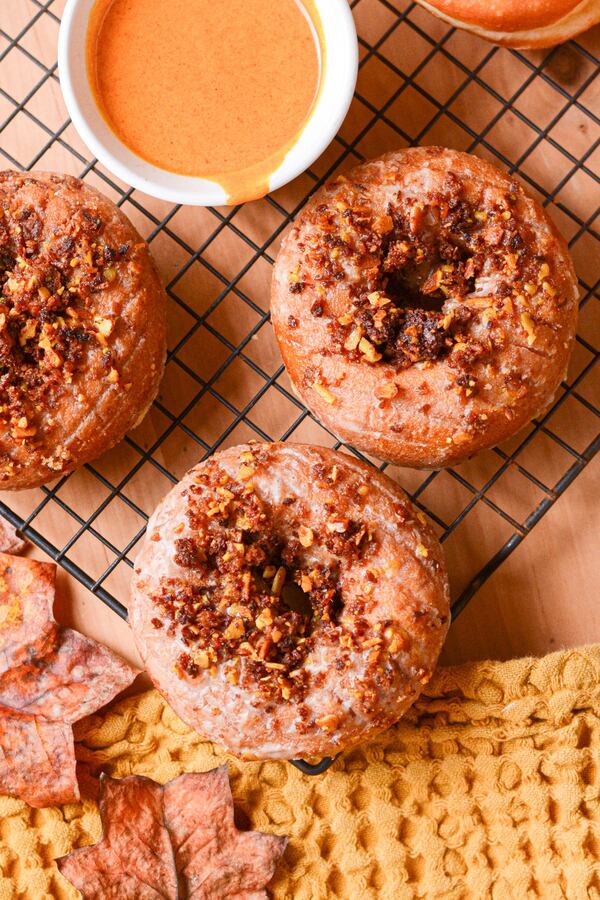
325	120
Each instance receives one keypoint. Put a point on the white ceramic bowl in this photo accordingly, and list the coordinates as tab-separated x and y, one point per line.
341	67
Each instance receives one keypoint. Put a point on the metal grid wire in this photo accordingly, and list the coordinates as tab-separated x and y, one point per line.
420	82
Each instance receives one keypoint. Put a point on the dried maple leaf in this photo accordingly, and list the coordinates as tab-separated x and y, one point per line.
50	677
10	542
172	841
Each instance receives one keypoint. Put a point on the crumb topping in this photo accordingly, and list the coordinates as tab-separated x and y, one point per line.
431	278
51	288
259	588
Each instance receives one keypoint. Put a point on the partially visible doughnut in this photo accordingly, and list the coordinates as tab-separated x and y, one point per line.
288	600
425	307
512	23
82	326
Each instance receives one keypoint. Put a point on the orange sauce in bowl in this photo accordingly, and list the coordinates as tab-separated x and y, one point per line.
217	89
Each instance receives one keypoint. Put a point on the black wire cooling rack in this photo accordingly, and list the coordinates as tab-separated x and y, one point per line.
535	114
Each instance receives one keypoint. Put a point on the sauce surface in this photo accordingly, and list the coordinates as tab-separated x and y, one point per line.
212	89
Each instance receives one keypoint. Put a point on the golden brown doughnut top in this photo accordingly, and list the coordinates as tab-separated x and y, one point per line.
288	599
51	286
80	305
424	295
414	273
257	592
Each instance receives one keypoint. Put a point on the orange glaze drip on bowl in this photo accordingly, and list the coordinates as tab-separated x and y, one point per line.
204	88
212	89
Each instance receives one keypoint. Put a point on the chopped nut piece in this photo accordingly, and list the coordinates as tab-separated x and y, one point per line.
352	341
369	351
245	472
234	630
422	551
22	429
459	437
53	358
372	642
447	320
104	326
113	376
201	659
305	536
383	225
306	584
263	620
378	299
327	723
237	609
322	391
232	675
279	581
27	332
528	325
387	391
338	527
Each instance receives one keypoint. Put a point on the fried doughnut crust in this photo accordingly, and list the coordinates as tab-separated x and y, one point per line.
424	306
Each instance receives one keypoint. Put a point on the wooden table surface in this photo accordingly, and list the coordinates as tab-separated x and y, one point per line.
545	595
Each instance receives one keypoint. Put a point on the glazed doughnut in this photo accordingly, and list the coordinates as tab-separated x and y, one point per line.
425	307
288	600
82	326
512	23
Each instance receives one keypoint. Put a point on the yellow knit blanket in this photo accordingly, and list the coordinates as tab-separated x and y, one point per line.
488	788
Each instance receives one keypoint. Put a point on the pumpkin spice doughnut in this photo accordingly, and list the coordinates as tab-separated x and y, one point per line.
82	326
288	600
425	307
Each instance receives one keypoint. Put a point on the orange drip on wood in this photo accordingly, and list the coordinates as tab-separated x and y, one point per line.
201	88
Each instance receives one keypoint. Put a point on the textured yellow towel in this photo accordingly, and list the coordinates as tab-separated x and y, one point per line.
488	788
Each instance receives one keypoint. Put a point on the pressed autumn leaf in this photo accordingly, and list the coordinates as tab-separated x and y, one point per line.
50	677
172	841
10	542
